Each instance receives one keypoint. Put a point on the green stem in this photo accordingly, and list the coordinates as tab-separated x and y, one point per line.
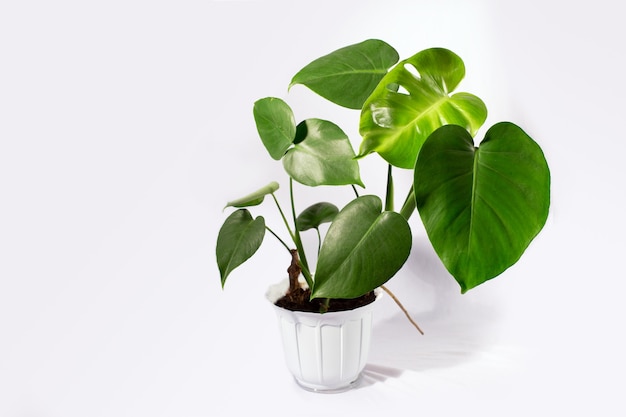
319	241
355	190
280	210
279	239
389	194
298	241
324	306
307	275
409	205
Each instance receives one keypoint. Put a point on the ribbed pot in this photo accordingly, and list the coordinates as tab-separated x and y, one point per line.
324	352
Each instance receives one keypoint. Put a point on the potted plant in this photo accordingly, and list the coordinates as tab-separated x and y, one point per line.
481	205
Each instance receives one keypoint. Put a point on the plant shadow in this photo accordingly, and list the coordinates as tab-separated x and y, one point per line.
457	329
373	374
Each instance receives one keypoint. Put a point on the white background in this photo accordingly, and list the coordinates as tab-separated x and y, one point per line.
125	126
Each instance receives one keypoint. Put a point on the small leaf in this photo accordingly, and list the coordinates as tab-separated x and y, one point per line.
322	155
362	250
481	207
255	198
348	75
312	217
239	238
412	101
276	125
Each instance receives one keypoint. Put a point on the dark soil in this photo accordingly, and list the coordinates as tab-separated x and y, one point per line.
298	300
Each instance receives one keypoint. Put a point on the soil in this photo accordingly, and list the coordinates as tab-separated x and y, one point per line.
298	300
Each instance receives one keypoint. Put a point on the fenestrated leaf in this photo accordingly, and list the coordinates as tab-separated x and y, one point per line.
239	238
412	101
362	250
322	155
276	125
481	207
255	198
348	75
317	214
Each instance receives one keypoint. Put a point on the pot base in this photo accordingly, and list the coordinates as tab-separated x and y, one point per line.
325	390
325	353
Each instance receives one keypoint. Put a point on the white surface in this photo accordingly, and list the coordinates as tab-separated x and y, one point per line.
126	126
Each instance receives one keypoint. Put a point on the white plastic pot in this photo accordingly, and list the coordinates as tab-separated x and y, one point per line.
324	352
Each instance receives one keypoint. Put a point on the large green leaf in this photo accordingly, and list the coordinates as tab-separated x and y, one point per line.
322	155
239	238
348	75
314	216
412	101
362	250
276	125
255	198
481	206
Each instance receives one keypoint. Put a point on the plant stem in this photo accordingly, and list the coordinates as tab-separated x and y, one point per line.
279	239
295	237
298	241
355	190
389	194
406	313
280	210
319	241
294	271
409	205
307	275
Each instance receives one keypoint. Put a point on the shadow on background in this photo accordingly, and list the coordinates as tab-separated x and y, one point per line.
457	328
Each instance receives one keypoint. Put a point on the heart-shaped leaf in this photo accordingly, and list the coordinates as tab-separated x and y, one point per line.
362	250
322	155
412	101
481	206
255	198
348	75
276	125
239	238
317	214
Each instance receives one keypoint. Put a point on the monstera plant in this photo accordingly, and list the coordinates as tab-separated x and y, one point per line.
482	202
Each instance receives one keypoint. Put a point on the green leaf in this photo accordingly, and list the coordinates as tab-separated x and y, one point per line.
255	198
481	207
348	75
276	125
362	250
412	101
239	238
322	155
313	216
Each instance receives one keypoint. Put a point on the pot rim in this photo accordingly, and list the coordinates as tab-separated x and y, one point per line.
275	291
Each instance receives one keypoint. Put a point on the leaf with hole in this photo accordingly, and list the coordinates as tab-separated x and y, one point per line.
412	101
